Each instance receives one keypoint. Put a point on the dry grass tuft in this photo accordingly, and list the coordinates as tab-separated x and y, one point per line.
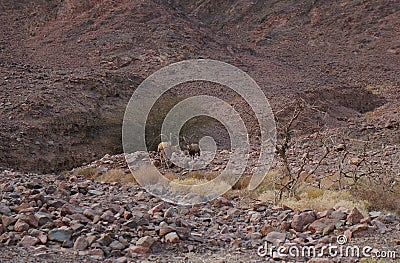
88	172
378	196
117	175
319	200
242	183
190	181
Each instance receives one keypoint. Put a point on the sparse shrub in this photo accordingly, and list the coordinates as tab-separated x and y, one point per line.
379	197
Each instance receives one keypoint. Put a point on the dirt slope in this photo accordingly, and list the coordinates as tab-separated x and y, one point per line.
68	68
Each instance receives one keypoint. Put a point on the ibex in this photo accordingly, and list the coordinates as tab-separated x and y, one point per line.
194	150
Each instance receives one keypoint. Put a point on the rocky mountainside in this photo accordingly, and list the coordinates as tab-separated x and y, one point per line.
69	67
341	56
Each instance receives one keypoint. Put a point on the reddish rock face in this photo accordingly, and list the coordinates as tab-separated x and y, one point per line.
139	250
21	226
28	241
320	225
355	216
303	219
81	243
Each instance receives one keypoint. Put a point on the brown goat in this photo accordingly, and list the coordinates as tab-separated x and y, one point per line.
194	150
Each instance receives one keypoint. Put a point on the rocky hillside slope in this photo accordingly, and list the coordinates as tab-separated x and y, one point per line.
68	68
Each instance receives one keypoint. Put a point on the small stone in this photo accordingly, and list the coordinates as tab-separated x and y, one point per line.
145	241
89	213
303	219
95	192
390	219
67	209
43	218
172	237
324	213
116	245
221	201
59	235
183	232
31	220
5	210
266	229
169	212
276	238
355	216
121	260
131	224
67	244
79	218
328	229
77	227
21	226
165	230
285	226
96	253
105	240
28	241
107	216
340	215
320	225
7	221
139	250
348	234
381	226
91	239
355	161
157	208
81	243
255	235
375	214
42	238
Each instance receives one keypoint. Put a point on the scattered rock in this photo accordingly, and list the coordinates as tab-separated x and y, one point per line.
157	208
5	210
276	238
145	242
28	241
323	225
116	245
81	243
303	219
59	235
43	218
139	250
172	237
355	216
7	221
31	220
21	226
